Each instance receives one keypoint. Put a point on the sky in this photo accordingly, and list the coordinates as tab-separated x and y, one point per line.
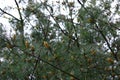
4	19
10	4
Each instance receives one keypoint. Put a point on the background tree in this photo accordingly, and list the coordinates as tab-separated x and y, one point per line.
64	40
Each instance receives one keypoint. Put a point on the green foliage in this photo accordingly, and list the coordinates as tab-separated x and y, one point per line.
83	44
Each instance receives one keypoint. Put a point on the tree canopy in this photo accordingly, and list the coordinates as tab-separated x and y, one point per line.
60	40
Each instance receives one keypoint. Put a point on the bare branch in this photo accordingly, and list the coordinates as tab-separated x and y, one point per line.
82	5
9	14
19	12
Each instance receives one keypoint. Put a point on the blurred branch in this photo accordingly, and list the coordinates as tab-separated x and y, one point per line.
77	39
82	5
9	14
111	26
108	44
21	29
21	20
40	59
65	33
35	66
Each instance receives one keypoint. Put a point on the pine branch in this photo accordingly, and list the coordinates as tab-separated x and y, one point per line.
44	61
108	44
104	37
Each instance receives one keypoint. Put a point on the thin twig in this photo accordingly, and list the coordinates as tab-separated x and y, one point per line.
9	14
82	5
18	8
35	66
77	39
108	44
59	69
21	21
44	61
64	32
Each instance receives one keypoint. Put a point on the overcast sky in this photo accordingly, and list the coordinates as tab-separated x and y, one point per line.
11	8
11	4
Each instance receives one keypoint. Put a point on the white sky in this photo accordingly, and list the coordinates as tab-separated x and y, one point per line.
4	19
11	4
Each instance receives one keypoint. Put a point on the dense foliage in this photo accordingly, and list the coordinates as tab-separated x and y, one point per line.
60	40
